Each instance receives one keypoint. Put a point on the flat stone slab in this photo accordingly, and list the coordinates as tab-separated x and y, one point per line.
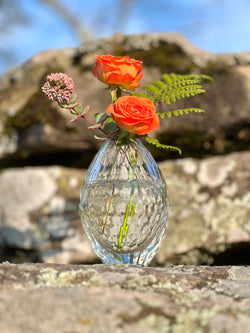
123	298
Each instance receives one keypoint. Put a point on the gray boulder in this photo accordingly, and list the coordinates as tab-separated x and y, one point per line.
102	298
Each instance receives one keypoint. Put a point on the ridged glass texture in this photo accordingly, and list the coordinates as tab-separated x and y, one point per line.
124	206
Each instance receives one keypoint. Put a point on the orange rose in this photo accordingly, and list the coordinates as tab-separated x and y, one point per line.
122	71
134	114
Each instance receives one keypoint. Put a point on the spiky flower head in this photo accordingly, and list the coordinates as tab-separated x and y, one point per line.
58	87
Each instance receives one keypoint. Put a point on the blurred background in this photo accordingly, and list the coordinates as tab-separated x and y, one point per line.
30	26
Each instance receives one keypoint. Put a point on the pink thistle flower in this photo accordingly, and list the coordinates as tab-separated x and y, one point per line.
58	87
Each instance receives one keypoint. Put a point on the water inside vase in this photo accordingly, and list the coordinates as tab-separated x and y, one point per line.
124	217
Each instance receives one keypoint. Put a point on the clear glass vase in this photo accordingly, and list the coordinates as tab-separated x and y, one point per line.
124	206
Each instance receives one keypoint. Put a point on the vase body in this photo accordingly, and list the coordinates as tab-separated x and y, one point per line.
124	206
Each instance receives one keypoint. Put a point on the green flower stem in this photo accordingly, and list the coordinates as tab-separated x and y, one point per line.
115	92
113	190
124	227
130	210
107	216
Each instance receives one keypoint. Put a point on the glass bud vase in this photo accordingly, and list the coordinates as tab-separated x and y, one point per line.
124	205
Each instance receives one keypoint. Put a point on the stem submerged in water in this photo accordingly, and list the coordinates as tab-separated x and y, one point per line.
131	157
107	216
130	210
125	226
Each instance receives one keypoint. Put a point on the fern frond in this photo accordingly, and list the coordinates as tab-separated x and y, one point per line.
158	84
157	144
168	78
152	89
141	94
173	87
174	94
179	112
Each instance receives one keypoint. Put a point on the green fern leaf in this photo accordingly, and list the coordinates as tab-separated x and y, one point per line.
141	94
167	78
157	144
174	78
173	87
153	90
159	84
179	112
174	94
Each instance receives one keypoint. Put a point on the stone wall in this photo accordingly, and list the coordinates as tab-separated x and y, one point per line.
104	298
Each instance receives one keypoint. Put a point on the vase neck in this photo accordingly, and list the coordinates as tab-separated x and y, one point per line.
130	161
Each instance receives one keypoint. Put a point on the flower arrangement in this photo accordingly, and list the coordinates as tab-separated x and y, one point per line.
124	205
134	114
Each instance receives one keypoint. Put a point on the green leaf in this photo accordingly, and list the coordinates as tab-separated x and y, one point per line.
95	126
179	112
67	105
79	108
73	99
157	144
74	112
99	137
100	117
85	110
63	104
110	126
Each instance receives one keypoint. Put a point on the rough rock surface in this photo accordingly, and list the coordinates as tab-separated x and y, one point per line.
39	214
30	125
101	298
209	221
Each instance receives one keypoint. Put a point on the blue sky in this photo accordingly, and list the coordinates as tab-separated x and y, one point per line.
213	25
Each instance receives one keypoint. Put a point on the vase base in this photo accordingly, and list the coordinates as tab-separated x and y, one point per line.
142	258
